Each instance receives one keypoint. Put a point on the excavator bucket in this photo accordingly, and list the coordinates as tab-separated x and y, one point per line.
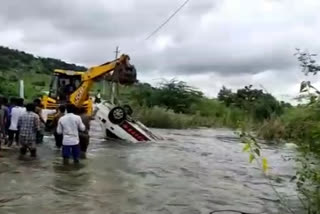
124	73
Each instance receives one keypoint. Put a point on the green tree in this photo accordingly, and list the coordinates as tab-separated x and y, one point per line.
225	95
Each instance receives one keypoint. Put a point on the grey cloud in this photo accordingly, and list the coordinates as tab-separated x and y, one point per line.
233	41
187	62
85	19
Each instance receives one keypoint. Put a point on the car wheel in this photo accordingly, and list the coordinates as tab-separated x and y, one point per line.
117	115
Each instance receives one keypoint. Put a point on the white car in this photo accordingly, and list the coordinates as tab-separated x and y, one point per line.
117	123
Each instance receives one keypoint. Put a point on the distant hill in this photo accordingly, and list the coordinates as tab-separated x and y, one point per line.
19	61
36	71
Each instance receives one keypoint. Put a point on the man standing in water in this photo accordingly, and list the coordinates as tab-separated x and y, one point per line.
28	126
84	136
69	126
16	112
4	117
58	137
38	111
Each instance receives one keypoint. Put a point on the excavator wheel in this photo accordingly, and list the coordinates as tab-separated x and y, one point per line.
117	115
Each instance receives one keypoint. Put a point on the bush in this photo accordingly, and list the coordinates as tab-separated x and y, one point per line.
13	78
158	117
273	129
260	105
39	83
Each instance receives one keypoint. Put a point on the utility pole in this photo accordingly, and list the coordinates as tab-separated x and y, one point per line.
117	51
21	89
114	85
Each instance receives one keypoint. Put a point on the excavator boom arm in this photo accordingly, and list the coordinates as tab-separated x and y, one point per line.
98	71
88	78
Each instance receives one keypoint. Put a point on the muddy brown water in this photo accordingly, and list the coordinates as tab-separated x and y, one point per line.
190	172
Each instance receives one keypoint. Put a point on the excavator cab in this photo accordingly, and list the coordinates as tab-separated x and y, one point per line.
63	84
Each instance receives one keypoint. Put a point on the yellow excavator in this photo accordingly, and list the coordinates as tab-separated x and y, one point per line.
74	86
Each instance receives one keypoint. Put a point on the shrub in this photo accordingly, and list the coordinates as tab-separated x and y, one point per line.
39	83
13	78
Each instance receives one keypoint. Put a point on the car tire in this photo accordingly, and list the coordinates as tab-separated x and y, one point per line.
117	115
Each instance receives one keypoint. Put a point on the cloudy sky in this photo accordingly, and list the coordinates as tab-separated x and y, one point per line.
210	43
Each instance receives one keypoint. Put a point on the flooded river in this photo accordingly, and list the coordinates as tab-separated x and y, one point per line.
190	172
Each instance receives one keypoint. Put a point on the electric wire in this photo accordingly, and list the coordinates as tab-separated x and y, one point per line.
167	20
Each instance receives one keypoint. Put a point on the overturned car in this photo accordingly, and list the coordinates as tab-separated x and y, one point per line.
118	123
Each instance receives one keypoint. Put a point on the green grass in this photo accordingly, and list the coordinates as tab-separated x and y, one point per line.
159	117
31	90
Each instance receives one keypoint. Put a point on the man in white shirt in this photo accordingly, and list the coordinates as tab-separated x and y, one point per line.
69	126
16	113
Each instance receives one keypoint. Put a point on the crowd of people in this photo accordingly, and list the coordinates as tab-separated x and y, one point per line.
24	126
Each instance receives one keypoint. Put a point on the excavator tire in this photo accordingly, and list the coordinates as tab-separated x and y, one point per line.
117	115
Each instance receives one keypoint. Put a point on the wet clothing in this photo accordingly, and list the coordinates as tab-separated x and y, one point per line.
73	150
27	145
16	112
13	135
29	125
86	122
40	132
84	143
4	117
58	137
84	137
9	117
10	110
69	126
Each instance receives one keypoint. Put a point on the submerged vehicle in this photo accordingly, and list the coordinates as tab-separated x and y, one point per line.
117	123
74	86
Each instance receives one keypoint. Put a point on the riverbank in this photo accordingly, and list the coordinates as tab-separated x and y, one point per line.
157	117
